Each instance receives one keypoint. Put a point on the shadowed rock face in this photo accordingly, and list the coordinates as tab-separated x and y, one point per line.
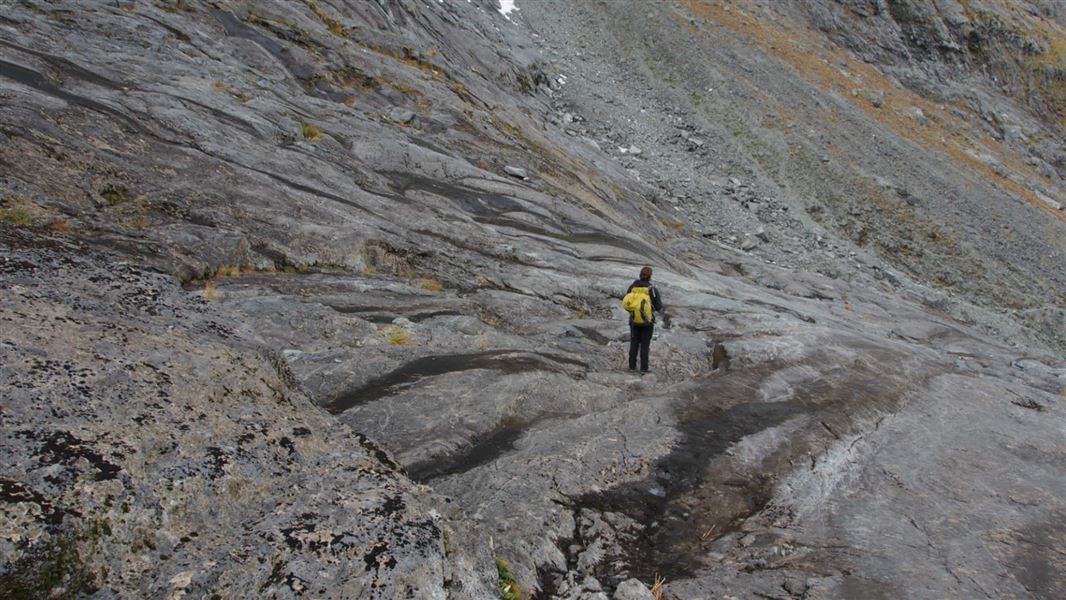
266	265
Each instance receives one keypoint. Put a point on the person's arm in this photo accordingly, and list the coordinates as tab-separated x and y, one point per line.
656	300
657	304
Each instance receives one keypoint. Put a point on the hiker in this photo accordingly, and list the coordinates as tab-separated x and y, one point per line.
642	301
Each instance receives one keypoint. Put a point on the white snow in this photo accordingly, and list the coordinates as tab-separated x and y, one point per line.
506	6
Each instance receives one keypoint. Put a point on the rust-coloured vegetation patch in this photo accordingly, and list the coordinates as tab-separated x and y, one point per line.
839	70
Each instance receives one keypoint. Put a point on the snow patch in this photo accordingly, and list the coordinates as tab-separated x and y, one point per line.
506	6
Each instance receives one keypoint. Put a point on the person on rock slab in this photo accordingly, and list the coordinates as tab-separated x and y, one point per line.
640	294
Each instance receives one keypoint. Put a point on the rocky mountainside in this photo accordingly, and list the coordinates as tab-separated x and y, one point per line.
321	299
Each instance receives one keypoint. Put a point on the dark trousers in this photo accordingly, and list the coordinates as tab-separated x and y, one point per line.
639	341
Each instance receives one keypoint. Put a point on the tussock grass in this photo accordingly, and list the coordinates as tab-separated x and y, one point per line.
21	212
15	216
227	271
210	292
657	587
310	132
396	335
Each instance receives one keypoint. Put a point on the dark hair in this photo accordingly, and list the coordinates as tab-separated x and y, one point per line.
645	274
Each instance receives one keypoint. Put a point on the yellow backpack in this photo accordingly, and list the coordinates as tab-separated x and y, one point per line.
638	304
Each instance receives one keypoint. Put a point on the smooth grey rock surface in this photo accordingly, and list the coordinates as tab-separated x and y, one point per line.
265	336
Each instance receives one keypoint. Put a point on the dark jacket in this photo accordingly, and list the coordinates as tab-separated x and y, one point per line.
656	301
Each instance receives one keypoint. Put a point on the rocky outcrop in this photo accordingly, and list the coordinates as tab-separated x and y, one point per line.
949	48
320	299
151	453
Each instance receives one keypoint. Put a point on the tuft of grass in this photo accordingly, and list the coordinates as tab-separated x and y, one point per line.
15	216
114	194
508	586
397	336
432	285
335	27
138	223
210	292
657	587
60	226
310	132
227	271
581	313
675	225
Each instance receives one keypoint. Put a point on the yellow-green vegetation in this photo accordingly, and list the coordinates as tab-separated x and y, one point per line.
311	132
285	31
432	285
15	216
335	26
352	77
581	313
410	58
210	292
22	212
227	271
138	223
114	194
130	212
396	335
508	586
675	225
55	565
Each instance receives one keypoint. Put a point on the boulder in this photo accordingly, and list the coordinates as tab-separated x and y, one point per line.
518	172
632	589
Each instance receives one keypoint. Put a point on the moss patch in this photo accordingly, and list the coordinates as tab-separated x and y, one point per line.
55	570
